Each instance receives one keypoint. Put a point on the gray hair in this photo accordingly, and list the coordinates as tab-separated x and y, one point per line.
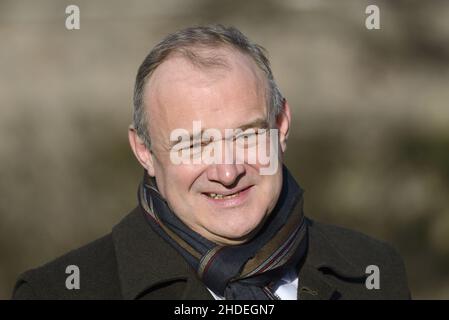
184	42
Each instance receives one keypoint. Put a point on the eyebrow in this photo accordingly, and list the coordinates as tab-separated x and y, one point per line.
259	123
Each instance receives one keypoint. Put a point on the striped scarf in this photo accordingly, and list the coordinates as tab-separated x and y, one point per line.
246	271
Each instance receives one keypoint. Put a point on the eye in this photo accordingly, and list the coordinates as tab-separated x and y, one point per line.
249	135
194	146
248	138
202	144
197	146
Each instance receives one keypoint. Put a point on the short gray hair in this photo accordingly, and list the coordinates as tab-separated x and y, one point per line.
184	42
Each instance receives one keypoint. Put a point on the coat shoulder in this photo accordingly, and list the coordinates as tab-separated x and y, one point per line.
94	263
356	245
361	251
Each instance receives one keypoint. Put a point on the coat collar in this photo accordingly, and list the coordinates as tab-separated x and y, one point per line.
145	261
323	256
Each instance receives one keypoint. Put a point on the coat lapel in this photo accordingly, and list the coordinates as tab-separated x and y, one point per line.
147	264
323	257
313	285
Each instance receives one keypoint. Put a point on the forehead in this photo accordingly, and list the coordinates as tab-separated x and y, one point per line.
179	92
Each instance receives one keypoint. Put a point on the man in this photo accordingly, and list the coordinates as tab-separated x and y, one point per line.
215	219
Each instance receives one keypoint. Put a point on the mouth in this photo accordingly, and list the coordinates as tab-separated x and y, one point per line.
229	199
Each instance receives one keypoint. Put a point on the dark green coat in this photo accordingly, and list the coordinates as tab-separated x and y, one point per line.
133	262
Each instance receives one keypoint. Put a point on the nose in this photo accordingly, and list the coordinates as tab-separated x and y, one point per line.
226	174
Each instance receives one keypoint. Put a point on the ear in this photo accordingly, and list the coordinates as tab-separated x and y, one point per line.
283	124
142	153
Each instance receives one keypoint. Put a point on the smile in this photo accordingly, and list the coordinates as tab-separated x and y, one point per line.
230	199
221	196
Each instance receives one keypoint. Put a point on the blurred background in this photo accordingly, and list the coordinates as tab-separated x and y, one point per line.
370	137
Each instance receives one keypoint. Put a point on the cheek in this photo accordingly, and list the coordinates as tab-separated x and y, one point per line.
271	190
178	182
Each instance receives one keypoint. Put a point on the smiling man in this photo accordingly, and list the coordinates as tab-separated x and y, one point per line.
215	220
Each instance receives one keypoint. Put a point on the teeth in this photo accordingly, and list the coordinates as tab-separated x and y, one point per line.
220	196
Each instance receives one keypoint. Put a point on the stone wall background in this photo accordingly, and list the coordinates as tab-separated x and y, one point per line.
370	139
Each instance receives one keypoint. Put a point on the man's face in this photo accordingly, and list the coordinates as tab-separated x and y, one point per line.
179	93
